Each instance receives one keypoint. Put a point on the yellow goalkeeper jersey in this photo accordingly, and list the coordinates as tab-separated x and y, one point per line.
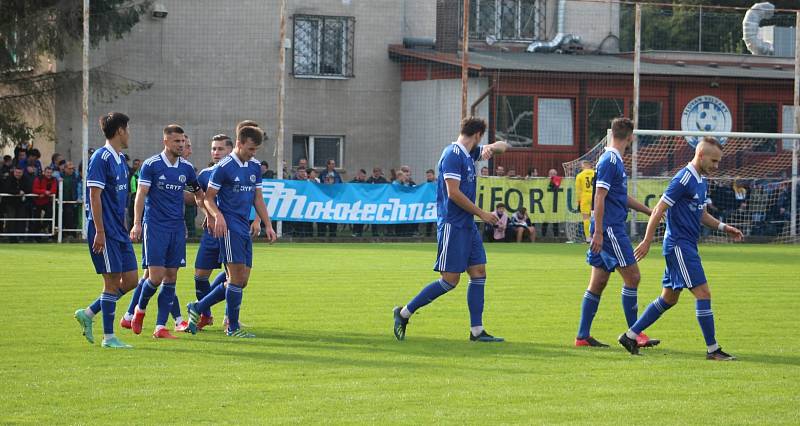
583	186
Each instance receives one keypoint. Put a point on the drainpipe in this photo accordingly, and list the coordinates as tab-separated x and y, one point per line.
560	37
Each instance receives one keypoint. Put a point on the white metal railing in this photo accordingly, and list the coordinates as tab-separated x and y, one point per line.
51	219
78	214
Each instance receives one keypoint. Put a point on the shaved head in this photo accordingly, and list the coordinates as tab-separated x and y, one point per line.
707	155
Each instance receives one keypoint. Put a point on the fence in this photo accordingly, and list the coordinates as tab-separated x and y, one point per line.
56	217
20	226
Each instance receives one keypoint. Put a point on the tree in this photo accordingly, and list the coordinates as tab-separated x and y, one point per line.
35	32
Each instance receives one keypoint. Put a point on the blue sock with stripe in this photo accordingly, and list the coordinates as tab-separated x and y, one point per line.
429	294
148	290
175	309
705	316
216	295
630	305
589	307
475	300
234	298
653	312
201	289
218	280
135	298
166	298
95	307
108	304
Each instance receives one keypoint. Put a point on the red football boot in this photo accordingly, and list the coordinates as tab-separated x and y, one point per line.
590	341
183	327
125	323
645	342
205	321
163	333
136	322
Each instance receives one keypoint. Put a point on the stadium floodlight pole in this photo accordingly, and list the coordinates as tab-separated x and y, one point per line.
464	58
85	106
796	143
281	97
637	61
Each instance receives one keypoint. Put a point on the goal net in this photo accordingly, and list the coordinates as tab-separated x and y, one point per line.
752	189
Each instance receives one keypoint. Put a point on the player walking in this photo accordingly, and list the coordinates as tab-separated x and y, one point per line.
610	247
111	250
584	182
460	246
233	190
158	221
684	202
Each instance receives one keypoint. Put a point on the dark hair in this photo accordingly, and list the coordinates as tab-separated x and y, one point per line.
6	157
173	128
136	159
500	205
54	156
430	171
522	210
621	127
473	125
33	152
62	162
223	137
264	163
112	122
253	133
362	171
246	123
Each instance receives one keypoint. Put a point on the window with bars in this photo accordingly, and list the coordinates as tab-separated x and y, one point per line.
509	20
318	150
323	46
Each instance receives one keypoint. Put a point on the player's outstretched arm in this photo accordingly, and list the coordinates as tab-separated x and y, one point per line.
714	223
498	147
138	212
655	219
638	206
599	213
261	211
455	195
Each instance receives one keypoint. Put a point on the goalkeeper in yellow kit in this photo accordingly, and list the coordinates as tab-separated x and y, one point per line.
584	183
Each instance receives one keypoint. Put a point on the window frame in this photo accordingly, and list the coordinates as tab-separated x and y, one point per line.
347	46
497	31
310	139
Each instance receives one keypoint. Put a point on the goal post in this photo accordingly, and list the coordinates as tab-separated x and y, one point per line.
756	187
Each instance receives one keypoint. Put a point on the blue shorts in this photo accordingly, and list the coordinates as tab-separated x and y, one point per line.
163	248
208	253
684	269
118	256
617	250
459	248
236	248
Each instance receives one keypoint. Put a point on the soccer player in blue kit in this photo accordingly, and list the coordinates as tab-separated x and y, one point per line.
158	222
610	248
234	188
459	243
684	203
109	246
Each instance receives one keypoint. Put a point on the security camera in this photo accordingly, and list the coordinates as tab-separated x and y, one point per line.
159	11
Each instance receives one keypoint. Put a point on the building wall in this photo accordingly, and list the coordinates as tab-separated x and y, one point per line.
430	119
212	65
597	23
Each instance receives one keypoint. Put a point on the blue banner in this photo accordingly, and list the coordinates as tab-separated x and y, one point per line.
303	201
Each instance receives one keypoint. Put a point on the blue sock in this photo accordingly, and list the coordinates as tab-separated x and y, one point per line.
629	305
108	304
705	316
216	295
218	280
589	307
136	295
429	294
475	300
148	290
96	306
166	298
201	289
650	315
175	309
234	298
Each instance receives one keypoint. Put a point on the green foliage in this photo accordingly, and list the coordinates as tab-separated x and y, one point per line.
325	353
33	31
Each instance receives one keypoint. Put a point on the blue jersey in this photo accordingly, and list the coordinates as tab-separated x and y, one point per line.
108	172
203	177
611	176
687	196
456	163
163	207
237	183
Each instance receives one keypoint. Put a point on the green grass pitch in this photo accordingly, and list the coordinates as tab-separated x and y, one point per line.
325	350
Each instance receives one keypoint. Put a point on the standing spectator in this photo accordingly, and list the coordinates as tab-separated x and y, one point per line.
313	176
484	171
500	171
532	173
7	168
497	232
45	187
553	186
33	160
407	171
330	170
14	207
71	192
512	173
521	224
302	164
430	176
403	230
55	163
21	159
740	192
327	227
134	185
361	177
266	173
376	178
392	175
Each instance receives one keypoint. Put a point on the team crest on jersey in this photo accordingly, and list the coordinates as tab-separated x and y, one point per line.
182	179
253	178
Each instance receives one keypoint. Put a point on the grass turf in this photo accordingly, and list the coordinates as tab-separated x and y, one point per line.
325	351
